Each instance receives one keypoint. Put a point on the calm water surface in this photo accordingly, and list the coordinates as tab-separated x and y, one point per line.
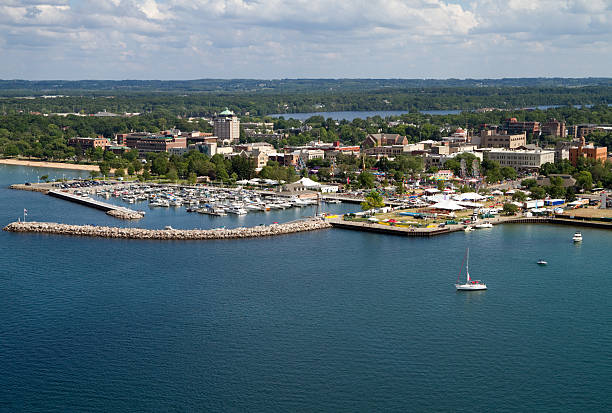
324	321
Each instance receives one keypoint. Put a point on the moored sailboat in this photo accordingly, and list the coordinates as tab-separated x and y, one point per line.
470	285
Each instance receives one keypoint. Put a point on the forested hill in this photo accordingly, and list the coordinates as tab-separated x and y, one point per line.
263	97
284	85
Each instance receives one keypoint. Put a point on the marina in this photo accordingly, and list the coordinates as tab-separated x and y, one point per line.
343	310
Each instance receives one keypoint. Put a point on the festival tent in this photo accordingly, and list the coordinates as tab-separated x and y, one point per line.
469	204
308	183
447	205
497	192
469	196
436	198
432	190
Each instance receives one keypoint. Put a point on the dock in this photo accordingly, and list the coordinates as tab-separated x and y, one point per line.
110	209
447	229
392	230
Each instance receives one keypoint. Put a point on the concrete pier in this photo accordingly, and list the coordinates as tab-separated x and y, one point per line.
110	209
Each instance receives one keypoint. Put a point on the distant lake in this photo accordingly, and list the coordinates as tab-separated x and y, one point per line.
350	115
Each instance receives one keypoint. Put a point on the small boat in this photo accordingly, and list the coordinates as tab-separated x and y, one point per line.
485	224
542	262
470	285
577	237
468	228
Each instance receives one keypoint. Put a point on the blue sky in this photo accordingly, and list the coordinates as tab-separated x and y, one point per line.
188	39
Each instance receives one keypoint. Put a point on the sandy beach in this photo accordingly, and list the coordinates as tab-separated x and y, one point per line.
43	164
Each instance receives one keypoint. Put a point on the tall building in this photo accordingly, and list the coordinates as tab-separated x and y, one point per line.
554	127
587	151
488	139
226	127
513	126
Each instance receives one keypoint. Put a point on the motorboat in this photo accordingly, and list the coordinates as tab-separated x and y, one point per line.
469	285
468	228
577	237
485	224
237	210
542	262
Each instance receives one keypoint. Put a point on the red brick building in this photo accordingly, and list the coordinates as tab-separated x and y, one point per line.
588	152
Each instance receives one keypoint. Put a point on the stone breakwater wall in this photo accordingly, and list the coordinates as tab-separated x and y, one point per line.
167	234
125	213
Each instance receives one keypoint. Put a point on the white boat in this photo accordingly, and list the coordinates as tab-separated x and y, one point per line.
577	237
237	210
468	228
542	262
486	224
470	285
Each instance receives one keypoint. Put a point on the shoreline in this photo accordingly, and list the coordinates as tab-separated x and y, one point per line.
47	164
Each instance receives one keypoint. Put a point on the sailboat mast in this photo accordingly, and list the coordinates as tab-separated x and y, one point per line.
467	265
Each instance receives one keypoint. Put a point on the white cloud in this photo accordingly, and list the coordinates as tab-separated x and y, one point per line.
301	38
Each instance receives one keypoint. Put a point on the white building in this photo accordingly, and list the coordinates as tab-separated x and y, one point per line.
520	158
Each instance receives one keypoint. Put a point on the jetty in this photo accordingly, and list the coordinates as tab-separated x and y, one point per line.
391	230
110	209
447	229
168	234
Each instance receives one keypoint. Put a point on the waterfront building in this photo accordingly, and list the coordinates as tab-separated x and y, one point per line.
520	158
392	151
383	139
438	160
490	139
226	126
554	127
585	129
513	126
589	151
159	143
88	143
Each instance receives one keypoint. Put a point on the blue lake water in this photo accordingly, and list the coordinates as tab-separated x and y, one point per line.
350	115
331	320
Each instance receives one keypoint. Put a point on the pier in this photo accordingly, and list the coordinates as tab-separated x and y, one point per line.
110	209
392	230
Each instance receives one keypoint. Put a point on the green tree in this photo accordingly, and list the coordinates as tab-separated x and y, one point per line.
538	192
192	178
366	180
510	208
372	201
104	168
119	173
172	175
519	196
584	180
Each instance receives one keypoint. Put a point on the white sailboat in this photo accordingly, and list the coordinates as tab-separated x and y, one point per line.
470	285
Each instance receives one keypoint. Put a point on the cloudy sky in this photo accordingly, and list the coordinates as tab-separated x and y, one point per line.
189	39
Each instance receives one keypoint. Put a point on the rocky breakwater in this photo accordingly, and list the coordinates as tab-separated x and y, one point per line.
167	234
124	213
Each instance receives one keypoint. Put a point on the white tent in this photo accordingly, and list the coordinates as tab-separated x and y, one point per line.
497	192
308	183
447	205
469	204
432	190
469	196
